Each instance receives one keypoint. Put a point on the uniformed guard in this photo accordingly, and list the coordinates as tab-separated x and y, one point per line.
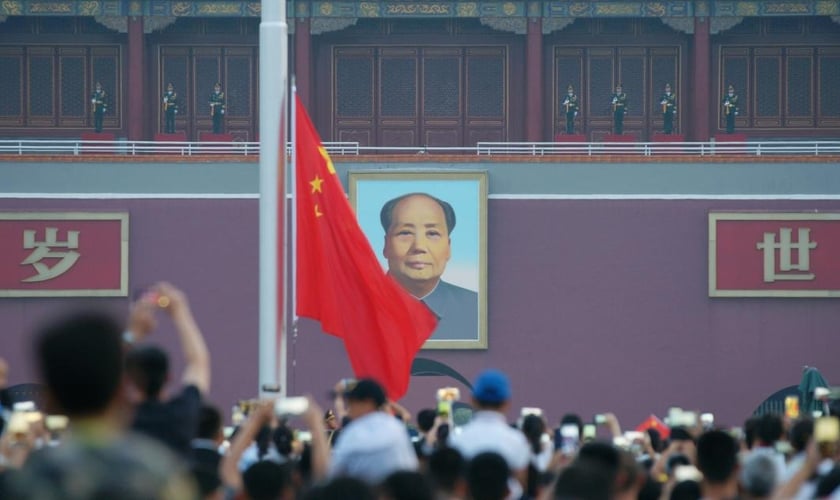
170	108
99	101
730	108
571	107
619	109
217	107
669	109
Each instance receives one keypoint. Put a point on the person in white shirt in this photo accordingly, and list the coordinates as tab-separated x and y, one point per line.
488	431
375	444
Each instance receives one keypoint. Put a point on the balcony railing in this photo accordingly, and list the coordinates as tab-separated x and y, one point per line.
137	148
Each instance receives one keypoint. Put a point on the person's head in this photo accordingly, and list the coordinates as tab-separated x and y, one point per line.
406	485
770	429
758	475
750	430
570	90
170	87
618	88
417	240
447	469
584	480
667	88
487	476
426	419
717	456
282	437
533	426
208	481
491	390
731	90
365	397
217	88
148	370
266	480
98	86
655	440
573	419
686	490
603	454
80	360
210	423
800	434
341	488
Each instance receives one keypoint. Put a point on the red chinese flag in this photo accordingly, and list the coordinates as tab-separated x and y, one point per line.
653	422
339	280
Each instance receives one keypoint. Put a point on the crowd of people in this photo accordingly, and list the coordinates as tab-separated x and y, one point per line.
111	426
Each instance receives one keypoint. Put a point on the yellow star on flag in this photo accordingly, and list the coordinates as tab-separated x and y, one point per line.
316	184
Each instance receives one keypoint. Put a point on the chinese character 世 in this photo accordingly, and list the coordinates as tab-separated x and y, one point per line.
44	250
785	246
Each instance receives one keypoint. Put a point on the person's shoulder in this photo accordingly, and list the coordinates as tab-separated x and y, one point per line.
456	290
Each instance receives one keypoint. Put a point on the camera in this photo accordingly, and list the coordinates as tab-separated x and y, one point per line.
285	407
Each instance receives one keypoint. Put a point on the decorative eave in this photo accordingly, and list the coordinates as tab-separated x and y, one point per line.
496	11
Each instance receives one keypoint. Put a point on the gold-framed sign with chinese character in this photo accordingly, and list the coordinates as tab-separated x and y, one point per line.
64	254
774	254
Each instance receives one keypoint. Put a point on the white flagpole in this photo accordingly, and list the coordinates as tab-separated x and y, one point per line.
273	79
293	233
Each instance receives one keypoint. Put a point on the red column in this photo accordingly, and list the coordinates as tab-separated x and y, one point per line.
701	80
533	82
136	109
303	60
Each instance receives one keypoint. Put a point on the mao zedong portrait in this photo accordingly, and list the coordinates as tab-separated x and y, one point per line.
418	229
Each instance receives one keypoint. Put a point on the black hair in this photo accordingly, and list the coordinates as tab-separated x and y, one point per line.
209	422
655	440
584	480
282	438
769	429
717	456
801	433
604	454
148	367
573	419
487	475
80	358
426	419
341	488
674	461
750	427
446	467
386	215
407	485
533	427
266	480
686	490
263	441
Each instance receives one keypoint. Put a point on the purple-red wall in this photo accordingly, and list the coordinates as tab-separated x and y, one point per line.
595	305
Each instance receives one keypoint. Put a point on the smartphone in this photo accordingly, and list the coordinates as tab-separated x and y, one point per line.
826	430
448	394
291	406
600	419
792	407
18	424
304	436
56	422
444	408
708	420
589	432
531	411
228	431
569	439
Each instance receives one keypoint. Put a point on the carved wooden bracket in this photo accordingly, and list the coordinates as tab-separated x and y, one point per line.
718	24
320	25
552	24
683	24
518	25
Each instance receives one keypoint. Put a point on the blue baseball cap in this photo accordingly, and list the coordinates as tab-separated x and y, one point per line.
491	386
